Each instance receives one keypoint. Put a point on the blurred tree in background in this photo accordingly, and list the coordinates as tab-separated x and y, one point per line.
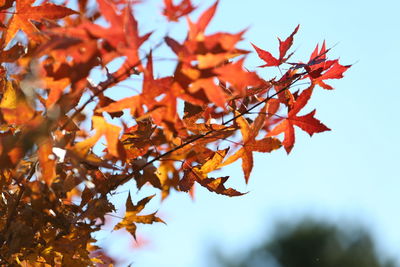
312	244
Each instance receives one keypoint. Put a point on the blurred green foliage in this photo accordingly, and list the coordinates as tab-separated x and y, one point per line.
312	244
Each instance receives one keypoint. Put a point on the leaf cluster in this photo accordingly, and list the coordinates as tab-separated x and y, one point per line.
67	146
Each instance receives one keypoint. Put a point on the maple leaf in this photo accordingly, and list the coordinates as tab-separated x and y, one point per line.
177	48
250	144
15	106
136	140
335	72
196	30
224	40
111	132
284	46
215	185
56	88
320	69
98	208
131	216
163	171
105	101
164	109
319	57
273	106
210	51
306	122
149	175
200	175
213	92
238	77
267	57
25	12
122	34
133	39
195	85
11	152
47	161
12	54
152	88
174	12
214	50
132	102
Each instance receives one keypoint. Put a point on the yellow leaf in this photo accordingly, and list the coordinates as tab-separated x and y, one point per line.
213	163
131	217
111	133
14	106
10	97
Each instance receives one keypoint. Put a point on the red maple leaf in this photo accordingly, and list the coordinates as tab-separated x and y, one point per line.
284	46
123	33
174	12
198	28
307	122
320	69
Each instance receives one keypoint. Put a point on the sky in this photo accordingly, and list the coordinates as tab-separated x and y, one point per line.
348	175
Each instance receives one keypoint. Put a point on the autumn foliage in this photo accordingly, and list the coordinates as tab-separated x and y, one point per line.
67	143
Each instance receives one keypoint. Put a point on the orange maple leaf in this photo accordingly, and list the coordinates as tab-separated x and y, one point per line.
250	144
47	161
110	131
196	30
25	12
239	78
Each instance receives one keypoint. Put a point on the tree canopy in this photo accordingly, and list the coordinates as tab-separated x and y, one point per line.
313	243
67	144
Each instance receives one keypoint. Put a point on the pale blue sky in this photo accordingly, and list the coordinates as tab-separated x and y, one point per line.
350	173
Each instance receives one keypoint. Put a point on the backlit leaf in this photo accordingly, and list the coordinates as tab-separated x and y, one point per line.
307	122
174	12
111	133
25	13
131	216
